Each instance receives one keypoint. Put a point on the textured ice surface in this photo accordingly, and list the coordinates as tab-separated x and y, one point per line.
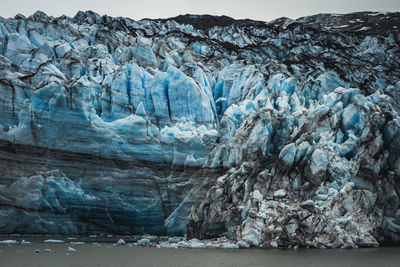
261	132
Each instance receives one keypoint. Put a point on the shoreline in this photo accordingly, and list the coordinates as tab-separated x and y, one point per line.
177	242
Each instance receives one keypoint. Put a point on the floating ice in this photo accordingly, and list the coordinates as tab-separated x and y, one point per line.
9	242
71	249
53	241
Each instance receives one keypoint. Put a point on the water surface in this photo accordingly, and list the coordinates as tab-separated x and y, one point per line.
105	254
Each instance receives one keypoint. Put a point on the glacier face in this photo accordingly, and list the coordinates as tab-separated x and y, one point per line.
282	133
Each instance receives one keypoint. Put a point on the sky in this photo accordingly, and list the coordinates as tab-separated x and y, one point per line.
264	10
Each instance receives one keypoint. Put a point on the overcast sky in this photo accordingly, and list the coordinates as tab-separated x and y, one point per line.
255	9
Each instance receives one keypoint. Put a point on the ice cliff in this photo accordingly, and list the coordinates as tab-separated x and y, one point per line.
284	133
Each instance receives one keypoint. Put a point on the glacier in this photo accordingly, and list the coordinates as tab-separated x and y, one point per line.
282	133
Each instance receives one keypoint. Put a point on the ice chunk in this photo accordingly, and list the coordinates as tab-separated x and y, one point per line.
120	242
319	162
144	242
187	101
256	195
350	117
18	44
53	241
144	55
61	50
281	193
291	228
9	242
71	249
77	243
140	111
196	243
288	154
